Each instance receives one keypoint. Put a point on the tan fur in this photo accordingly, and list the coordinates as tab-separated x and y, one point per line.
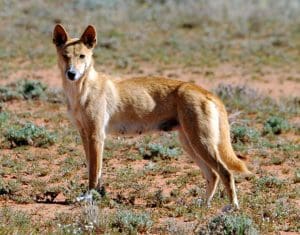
99	105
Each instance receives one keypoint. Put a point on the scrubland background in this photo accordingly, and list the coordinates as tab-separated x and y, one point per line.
246	52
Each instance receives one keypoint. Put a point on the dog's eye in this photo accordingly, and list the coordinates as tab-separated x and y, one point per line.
82	56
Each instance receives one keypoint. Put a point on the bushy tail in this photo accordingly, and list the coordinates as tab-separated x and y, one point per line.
231	160
225	148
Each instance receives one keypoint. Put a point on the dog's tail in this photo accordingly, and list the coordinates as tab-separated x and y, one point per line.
231	160
226	152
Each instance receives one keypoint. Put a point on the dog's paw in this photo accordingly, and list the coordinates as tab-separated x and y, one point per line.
87	197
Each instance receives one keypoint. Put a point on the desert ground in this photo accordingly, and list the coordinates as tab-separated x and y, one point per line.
246	52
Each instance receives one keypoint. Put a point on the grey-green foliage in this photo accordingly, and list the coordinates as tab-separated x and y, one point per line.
243	134
23	89
228	224
275	125
151	150
14	222
4	116
29	134
267	182
7	93
31	89
129	222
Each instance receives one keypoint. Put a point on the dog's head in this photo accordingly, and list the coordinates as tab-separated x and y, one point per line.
74	55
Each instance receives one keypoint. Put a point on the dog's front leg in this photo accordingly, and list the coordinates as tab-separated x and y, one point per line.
96	145
85	142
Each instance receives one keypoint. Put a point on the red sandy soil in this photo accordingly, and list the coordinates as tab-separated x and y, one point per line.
270	81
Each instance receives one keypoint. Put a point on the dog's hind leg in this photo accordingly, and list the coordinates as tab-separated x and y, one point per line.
211	176
199	122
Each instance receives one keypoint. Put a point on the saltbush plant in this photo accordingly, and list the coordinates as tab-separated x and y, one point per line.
227	224
129	222
275	125
152	150
243	134
29	134
23	89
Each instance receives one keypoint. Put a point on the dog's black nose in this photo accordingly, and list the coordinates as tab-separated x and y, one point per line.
71	75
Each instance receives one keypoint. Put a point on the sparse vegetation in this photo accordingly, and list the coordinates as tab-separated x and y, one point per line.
29	134
153	150
149	186
130	222
230	224
243	134
23	89
275	125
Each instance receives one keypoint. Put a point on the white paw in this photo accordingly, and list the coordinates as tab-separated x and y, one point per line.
87	197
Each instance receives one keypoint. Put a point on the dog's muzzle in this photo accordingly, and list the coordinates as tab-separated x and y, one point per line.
71	75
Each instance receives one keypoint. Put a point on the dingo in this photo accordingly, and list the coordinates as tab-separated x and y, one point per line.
100	106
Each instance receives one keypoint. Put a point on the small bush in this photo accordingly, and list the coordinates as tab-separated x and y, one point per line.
29	134
12	219
152	150
243	134
3	118
269	182
229	224
23	89
275	125
31	89
7	93
130	223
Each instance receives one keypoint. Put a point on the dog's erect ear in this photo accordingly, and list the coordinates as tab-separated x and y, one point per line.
60	36
89	37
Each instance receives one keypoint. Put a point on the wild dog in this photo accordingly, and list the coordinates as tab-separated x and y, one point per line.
99	106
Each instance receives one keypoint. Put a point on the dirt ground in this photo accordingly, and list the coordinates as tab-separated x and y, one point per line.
274	83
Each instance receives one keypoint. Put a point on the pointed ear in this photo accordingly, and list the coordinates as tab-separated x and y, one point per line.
89	37
60	36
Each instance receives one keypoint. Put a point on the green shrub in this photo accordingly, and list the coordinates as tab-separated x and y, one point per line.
23	89
229	224
275	125
14	222
31	89
29	134
3	118
243	134
152	150
7	93
130	222
269	182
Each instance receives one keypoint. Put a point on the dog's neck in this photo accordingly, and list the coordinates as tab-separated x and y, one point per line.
77	91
